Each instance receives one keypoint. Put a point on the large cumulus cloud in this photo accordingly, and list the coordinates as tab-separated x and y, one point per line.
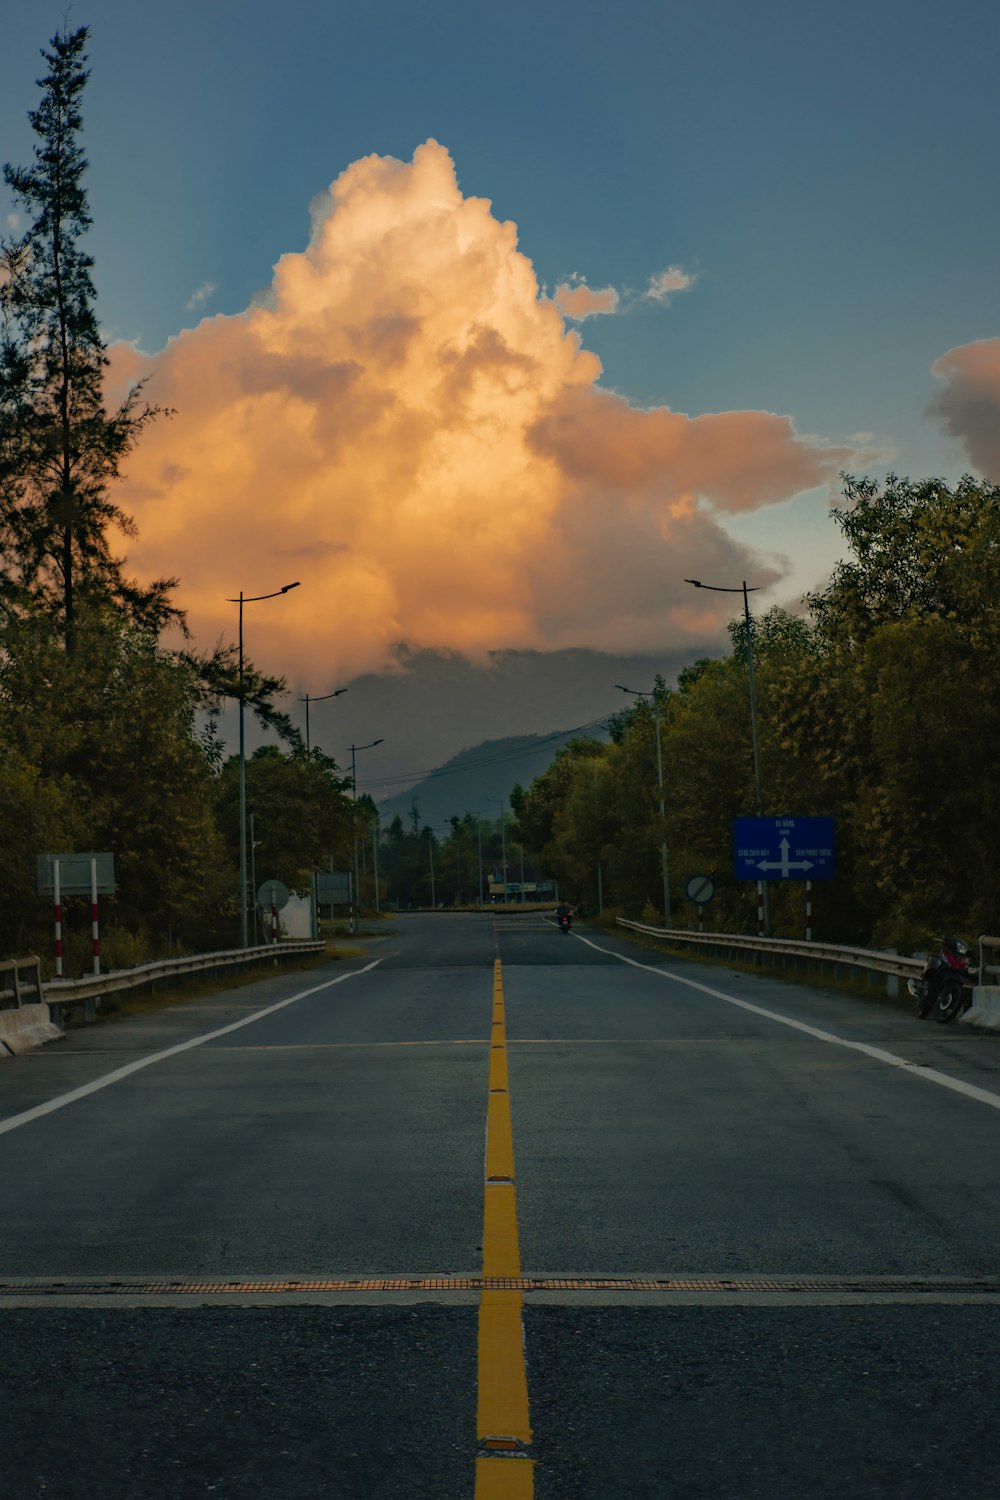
969	401
405	425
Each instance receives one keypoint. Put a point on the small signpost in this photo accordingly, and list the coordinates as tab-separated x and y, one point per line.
62	875
700	889
273	896
333	888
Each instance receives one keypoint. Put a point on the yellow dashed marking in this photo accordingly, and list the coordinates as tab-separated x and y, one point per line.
502	1419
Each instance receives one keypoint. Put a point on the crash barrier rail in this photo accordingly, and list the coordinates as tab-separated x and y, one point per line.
20	983
61	994
831	958
835	961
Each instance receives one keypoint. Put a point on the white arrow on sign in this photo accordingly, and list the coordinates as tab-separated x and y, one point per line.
784	864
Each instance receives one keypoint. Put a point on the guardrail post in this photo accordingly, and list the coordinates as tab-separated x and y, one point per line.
892	980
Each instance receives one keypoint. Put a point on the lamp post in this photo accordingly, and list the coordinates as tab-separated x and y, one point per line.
253	876
247	599
659	781
503	844
745	591
431	831
479	831
375	834
307	700
313	903
356	911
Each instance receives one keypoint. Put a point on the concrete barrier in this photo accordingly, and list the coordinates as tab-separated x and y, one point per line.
985	1008
24	1016
28	1026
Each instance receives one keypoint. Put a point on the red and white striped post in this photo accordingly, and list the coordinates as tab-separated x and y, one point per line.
57	902
809	911
274	923
760	908
95	928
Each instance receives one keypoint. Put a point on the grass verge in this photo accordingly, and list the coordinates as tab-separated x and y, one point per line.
126	1003
856	987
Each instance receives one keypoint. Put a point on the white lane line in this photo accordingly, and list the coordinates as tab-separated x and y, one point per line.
61	1100
916	1070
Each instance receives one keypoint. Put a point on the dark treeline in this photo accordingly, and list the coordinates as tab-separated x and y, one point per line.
108	735
452	865
880	708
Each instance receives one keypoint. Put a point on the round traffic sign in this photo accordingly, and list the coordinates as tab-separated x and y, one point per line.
700	889
273	893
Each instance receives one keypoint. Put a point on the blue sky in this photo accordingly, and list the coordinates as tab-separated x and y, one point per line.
825	175
829	172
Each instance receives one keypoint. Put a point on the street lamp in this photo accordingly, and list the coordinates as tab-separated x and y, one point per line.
313	902
356	914
745	591
247	599
659	781
307	700
479	831
503	844
439	828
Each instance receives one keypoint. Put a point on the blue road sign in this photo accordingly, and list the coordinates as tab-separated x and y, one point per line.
784	849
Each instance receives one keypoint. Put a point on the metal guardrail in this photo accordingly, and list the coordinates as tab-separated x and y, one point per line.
875	960
20	983
59	994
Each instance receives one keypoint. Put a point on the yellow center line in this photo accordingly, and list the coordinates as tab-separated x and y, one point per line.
503	1471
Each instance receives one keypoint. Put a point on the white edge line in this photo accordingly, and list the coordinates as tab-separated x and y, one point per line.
878	1053
107	1079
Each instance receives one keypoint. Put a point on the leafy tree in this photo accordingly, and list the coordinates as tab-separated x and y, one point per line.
37	816
562	817
403	865
537	809
302	814
119	765
921	550
881	709
101	724
59	447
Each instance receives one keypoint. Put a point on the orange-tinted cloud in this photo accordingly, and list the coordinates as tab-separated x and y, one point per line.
969	403
663	286
576	300
405	425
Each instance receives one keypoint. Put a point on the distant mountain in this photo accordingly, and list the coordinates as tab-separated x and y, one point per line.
475	780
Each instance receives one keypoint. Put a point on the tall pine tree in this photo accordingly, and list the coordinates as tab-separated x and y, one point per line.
60	448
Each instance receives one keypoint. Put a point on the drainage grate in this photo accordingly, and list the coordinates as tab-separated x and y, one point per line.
859	1285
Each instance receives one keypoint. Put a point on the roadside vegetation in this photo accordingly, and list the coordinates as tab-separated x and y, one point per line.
109	732
878	707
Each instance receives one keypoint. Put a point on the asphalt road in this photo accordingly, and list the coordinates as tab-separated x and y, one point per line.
772	1213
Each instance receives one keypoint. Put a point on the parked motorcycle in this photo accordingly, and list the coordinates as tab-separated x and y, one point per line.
944	984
